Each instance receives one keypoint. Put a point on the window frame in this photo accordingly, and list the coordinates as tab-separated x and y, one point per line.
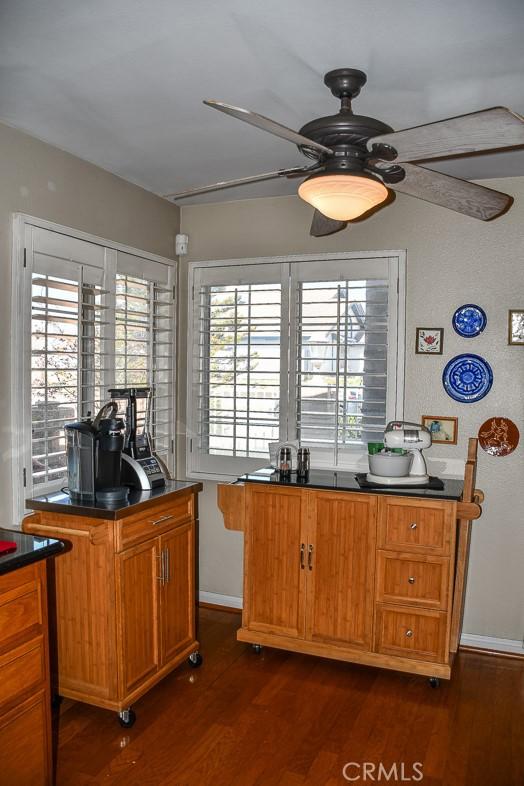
231	467
21	304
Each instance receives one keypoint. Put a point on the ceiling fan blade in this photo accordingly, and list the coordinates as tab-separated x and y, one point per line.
322	225
451	192
267	125
479	132
241	181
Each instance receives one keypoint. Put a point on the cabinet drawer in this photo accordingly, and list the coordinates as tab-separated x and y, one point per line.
20	613
411	633
413	579
156	520
22	670
416	526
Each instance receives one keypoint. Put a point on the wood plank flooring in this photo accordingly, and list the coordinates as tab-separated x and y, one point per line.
278	719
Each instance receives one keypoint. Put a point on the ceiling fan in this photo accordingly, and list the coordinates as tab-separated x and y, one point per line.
358	160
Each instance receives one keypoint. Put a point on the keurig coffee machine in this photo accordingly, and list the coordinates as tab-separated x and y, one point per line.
94	451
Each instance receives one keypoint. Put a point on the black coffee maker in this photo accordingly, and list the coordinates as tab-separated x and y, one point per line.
94	458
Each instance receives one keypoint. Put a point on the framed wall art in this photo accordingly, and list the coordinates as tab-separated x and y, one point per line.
429	341
443	429
516	327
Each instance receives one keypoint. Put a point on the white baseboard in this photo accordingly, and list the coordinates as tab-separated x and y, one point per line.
512	646
220	600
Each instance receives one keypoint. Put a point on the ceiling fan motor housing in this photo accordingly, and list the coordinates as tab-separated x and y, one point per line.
345	133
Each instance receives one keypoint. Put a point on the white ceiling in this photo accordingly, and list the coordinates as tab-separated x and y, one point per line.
121	82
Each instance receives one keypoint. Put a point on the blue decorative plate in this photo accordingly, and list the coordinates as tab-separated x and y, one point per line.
469	320
467	378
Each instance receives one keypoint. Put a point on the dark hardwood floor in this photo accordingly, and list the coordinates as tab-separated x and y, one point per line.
278	719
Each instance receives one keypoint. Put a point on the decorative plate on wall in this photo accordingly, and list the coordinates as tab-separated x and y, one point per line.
469	320
467	378
498	436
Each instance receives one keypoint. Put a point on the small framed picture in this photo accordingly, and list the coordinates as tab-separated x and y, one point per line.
430	341
442	429
516	327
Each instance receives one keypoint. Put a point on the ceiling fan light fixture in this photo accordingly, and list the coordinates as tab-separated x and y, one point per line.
343	197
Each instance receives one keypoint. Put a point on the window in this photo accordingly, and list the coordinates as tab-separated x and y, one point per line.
307	349
91	317
239	368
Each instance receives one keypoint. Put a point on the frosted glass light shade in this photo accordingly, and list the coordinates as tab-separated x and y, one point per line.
342	197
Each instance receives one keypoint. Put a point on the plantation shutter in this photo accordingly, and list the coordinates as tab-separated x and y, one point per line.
342	323
68	352
237	382
144	335
298	348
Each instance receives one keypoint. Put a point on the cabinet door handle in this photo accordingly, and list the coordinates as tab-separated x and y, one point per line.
161	558
413	525
409	633
411	580
168	565
310	557
302	550
162	519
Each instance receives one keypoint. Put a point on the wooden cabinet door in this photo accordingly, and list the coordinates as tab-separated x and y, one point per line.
177	593
26	744
138	572
341	568
274	577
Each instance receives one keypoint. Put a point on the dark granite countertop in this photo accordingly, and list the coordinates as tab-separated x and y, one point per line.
60	502
29	548
346	481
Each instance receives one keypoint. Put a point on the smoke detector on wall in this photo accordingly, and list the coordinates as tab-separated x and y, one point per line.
181	245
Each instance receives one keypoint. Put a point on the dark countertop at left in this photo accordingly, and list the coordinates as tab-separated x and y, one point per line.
60	502
29	548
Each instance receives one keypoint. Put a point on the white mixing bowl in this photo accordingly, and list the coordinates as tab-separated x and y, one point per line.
392	465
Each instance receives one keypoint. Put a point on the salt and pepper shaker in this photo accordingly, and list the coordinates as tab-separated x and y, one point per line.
284	463
303	463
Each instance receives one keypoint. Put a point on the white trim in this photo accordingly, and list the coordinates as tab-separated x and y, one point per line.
395	404
79	234
18	355
220	600
513	646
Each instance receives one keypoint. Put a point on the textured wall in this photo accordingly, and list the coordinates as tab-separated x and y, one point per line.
45	182
452	260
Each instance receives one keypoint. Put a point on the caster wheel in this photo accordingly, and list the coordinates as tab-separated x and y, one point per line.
434	682
195	660
127	718
257	648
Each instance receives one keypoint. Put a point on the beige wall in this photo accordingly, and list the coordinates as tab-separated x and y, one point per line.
45	182
451	260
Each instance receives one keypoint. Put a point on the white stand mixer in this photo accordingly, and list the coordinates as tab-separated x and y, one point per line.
412	437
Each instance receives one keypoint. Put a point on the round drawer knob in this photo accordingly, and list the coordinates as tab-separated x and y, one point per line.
411	579
409	633
413	525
